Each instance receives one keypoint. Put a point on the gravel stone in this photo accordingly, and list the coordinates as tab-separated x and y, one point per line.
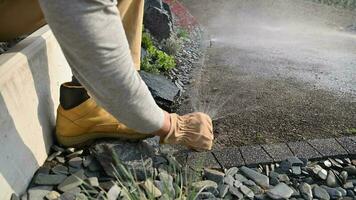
150	188
237	184
60	159
93	181
53	195
306	191
76	162
214	175
72	181
280	191
323	174
207	184
114	192
320	193
344	176
60	169
327	163
258	178
236	193
331	179
49	179
229	180
247	191
333	193
223	190
240	177
75	154
232	171
351	170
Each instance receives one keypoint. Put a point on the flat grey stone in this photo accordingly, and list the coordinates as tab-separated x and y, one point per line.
258	178
328	147
76	162
343	176
232	171
303	150
323	174
60	169
240	177
202	159
214	175
351	170
320	193
53	155
114	192
236	193
223	190
60	159
254	155
247	191
72	181
280	191
39	192
229	157
349	143
163	90
49	179
229	180
167	181
278	152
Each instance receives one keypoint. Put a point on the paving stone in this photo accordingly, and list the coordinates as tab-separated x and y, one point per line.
202	159
348	143
278	152
328	147
229	157
254	155
303	149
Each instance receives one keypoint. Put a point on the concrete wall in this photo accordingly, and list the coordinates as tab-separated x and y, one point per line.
30	76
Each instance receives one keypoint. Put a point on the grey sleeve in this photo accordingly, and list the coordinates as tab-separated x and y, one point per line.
93	41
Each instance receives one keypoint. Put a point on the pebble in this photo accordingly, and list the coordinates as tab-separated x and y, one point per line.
75	162
323	174
60	169
232	171
75	154
236	193
53	155
258	178
240	177
327	163
60	159
333	193
306	191
114	192
320	193
351	170
93	181
207	184
151	189
296	170
237	184
223	190
344	176
214	175
247	191
331	179
49	179
72	181
229	180
53	195
280	191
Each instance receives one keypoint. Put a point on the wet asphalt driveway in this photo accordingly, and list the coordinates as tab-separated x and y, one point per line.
276	70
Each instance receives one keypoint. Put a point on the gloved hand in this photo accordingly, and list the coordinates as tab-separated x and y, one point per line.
193	130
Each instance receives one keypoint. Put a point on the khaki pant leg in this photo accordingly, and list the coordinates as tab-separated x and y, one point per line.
131	12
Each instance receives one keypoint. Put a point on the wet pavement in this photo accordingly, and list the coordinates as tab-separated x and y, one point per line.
276	70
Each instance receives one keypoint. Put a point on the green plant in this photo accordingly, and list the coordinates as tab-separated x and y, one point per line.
182	33
172	45
156	60
351	130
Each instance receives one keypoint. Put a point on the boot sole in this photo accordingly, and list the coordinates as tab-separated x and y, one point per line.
88	138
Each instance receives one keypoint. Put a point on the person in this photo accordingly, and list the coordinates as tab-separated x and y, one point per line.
101	40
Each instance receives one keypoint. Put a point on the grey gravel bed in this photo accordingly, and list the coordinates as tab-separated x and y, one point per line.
118	170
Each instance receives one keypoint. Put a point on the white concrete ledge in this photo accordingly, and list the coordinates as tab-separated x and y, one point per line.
30	76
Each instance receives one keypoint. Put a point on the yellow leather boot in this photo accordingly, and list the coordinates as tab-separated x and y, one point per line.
88	121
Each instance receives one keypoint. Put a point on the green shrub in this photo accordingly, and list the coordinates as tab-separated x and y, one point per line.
155	61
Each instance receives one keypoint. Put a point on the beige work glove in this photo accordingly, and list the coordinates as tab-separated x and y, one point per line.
193	130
